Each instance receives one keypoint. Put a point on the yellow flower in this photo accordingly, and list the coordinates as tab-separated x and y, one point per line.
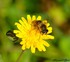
31	37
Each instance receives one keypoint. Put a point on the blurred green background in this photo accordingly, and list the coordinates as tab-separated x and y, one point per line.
57	13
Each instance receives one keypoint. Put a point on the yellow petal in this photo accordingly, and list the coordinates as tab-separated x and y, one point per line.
39	18
23	47
29	19
48	24
23	19
45	22
46	44
28	44
16	31
19	26
50	37
22	42
19	35
39	47
22	23
49	30
33	17
47	37
43	48
25	24
32	49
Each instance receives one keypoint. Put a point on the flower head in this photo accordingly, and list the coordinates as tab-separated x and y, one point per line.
32	37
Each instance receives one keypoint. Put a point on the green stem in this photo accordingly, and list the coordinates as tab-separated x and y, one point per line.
18	59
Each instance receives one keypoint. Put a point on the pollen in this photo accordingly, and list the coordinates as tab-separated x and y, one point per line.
31	38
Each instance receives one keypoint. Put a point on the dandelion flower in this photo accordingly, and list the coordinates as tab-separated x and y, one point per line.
32	37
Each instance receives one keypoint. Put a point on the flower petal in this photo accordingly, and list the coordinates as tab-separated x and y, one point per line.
29	19
16	31
50	37
43	48
28	44
32	49
19	26
23	19
20	35
49	30
47	37
23	47
23	42
47	24
22	23
33	17
38	46
39	18
46	44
